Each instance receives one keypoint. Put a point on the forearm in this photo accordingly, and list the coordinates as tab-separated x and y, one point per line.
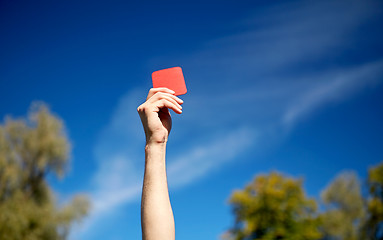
156	213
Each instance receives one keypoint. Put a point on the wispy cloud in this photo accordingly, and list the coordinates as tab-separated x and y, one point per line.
203	159
333	87
277	38
286	62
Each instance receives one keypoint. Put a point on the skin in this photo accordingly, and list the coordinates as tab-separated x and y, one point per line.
157	219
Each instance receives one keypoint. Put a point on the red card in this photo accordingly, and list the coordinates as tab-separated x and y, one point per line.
171	78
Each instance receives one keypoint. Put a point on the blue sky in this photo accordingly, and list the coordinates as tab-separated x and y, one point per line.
293	86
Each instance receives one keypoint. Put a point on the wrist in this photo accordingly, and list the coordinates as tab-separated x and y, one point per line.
153	145
155	154
157	138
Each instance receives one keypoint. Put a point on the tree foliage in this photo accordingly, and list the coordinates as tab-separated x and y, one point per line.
29	150
344	208
373	228
274	207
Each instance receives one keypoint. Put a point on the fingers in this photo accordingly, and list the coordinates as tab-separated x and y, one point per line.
158	96
166	91
168	104
162	94
153	91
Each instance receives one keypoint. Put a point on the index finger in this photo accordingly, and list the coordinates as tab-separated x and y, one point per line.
153	91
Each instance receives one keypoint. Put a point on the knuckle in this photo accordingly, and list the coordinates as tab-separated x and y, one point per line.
142	108
159	94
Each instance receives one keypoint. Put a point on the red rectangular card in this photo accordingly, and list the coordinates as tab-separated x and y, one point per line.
171	78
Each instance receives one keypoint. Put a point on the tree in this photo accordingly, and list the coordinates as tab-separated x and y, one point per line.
273	207
344	208
30	149
373	228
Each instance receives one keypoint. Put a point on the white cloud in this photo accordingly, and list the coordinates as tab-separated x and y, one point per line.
281	67
117	181
333	87
201	160
277	38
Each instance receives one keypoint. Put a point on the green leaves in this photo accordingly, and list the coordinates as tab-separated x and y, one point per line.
29	150
274	207
345	208
374	203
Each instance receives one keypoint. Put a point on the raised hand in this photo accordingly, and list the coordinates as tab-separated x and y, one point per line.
155	116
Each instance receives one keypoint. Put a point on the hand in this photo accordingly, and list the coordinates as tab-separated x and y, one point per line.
155	116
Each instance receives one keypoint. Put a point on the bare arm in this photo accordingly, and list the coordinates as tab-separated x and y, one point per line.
157	219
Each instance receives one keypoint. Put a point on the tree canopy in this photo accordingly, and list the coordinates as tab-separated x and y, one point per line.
274	207
344	208
373	228
30	149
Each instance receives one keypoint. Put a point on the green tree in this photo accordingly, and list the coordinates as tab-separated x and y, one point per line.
373	226
344	208
29	150
273	207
